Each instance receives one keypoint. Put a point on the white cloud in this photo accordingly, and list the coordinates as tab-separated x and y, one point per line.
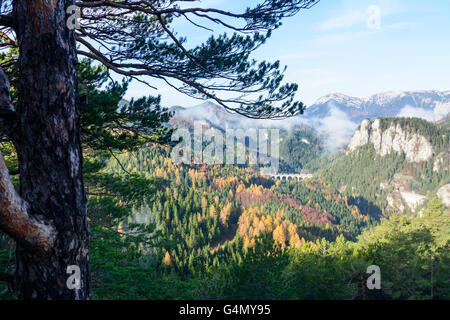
354	35
344	21
440	111
358	23
336	127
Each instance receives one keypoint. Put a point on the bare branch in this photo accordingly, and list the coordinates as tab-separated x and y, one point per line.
15	219
7	41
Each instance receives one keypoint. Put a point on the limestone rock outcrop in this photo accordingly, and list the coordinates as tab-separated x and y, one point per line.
393	139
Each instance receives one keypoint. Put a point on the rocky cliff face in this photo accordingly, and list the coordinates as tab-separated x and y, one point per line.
419	141
393	139
400	196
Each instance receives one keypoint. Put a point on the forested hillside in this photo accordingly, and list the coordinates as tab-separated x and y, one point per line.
397	164
215	223
168	231
214	211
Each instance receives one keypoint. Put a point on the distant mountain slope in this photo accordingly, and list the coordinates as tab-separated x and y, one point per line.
389	104
393	162
333	118
210	112
445	122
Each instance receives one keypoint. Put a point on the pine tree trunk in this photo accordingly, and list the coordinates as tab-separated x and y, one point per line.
47	139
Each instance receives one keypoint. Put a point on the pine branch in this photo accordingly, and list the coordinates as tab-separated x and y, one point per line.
219	69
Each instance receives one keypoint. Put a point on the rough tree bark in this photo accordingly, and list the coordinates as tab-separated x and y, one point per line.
46	135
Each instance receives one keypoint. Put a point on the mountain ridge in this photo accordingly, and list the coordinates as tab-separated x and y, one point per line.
374	97
426	103
432	105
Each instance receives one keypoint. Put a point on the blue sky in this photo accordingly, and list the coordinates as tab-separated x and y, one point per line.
339	46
